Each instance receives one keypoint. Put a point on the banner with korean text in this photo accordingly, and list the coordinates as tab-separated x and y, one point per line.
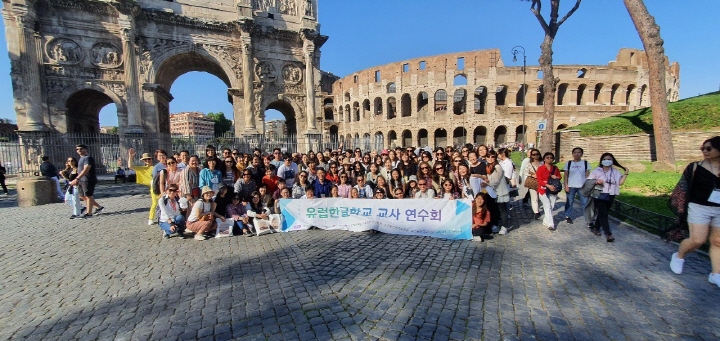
438	218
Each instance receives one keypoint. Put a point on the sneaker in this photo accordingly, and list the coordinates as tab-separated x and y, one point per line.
99	209
82	210
676	264
73	216
86	216
166	236
495	229
714	279
199	236
568	220
503	230
610	239
151	222
477	239
596	231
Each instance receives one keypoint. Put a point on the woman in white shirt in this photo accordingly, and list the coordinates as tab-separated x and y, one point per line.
611	178
171	218
202	216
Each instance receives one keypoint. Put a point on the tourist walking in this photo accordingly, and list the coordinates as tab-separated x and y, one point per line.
609	176
87	179
703	209
576	171
548	176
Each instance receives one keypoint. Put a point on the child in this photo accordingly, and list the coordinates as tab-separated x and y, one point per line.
266	199
278	194
481	217
271	180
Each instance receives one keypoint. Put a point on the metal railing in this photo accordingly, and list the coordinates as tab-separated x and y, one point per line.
639	216
20	153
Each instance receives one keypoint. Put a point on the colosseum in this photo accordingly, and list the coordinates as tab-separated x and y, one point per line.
472	97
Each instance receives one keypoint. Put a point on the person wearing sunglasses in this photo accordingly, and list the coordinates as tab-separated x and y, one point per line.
171	218
424	192
547	191
528	170
246	185
344	186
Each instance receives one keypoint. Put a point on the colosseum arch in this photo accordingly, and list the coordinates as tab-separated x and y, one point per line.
391	108
407	140
405	105
133	51
489	83
459	101
480	135
440	138
80	108
356	111
500	135
614	94
561	92
459	136
392	138
520	133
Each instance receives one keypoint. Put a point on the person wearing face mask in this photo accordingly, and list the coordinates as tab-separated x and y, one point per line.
609	175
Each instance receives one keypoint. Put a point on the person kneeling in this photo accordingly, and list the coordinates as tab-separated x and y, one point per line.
171	218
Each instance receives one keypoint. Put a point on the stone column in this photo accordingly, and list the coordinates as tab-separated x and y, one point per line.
309	51
134	112
248	78
30	68
237	101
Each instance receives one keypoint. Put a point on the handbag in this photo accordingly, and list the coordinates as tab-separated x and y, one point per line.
597	191
678	204
530	182
555	183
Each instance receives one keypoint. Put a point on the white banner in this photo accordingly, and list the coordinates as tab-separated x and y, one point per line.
438	218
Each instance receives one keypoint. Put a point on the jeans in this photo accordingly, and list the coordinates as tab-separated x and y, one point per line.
571	199
603	210
548	201
179	223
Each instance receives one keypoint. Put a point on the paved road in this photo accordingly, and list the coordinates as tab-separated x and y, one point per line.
113	278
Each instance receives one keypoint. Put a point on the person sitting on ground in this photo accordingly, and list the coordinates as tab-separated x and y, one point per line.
171	218
255	210
237	211
120	174
202	216
284	194
222	199
354	193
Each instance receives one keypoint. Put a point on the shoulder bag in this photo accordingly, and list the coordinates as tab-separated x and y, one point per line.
530	182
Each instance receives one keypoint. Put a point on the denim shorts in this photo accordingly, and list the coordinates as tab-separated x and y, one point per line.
703	215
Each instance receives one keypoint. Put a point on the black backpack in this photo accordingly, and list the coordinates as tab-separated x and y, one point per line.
155	185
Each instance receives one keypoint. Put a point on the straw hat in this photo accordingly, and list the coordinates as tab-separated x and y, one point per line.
146	156
207	189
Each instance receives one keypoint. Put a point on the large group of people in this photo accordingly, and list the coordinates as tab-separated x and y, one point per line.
193	194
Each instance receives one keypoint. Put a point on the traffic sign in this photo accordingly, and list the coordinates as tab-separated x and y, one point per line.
541	124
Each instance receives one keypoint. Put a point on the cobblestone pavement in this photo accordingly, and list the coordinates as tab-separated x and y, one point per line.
113	278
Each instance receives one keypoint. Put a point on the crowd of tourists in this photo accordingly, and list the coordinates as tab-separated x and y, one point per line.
193	194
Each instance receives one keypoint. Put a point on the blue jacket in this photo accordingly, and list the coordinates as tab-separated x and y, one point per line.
322	188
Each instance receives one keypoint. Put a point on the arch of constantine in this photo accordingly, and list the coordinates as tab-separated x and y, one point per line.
70	58
472	97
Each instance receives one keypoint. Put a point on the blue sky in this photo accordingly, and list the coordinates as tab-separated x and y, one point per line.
366	33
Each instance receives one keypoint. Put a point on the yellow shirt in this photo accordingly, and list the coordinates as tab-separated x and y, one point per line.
143	175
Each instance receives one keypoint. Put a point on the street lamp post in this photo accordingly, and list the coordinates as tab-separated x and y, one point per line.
515	51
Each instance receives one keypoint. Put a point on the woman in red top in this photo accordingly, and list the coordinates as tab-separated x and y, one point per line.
481	217
547	192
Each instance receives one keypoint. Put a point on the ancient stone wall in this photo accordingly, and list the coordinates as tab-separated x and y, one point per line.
474	97
639	147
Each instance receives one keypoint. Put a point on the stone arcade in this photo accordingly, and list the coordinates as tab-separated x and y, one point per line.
70	58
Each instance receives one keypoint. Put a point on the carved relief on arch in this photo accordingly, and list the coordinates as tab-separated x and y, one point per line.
266	71
228	54
292	74
106	55
64	51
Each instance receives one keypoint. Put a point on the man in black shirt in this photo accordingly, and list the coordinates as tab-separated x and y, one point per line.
2	178
49	170
87	178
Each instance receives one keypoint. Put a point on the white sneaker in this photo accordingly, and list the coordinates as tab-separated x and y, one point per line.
503	230
199	236
714	279
477	239
151	222
676	264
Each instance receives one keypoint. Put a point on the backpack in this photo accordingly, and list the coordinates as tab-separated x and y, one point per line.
567	166
155	184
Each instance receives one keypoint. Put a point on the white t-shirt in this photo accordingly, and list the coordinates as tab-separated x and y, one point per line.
204	207
576	173
288	173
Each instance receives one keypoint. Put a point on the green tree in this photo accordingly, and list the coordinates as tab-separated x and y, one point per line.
222	124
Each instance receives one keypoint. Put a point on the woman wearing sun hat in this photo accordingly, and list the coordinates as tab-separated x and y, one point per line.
202	216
